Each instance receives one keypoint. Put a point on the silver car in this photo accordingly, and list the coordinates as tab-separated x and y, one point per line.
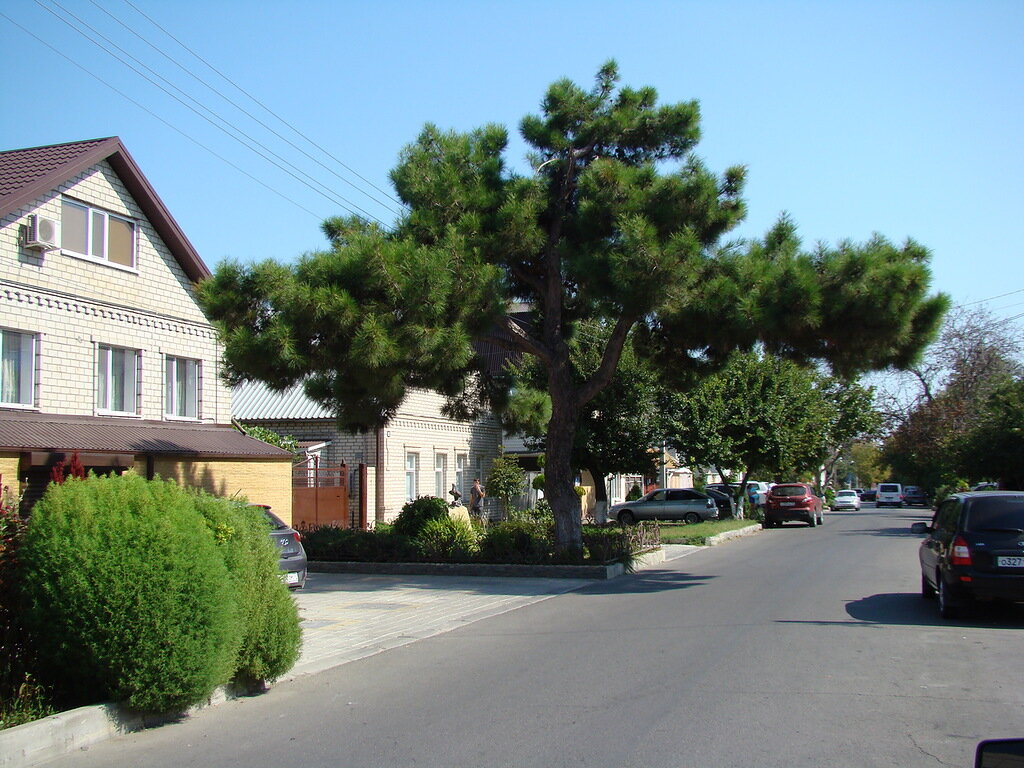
667	504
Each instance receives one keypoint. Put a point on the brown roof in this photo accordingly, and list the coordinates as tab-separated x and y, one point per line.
25	174
30	431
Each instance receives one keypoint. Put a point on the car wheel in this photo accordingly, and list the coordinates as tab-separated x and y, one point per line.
691	518
626	517
946	609
927	590
812	521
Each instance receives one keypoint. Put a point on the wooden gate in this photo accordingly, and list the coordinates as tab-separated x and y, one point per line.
320	496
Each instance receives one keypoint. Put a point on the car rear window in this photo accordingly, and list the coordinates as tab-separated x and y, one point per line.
789	490
995	512
846	493
888	489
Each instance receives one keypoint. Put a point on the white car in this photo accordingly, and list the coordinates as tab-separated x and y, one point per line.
846	499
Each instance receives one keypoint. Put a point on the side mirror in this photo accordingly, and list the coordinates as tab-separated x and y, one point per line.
1000	753
920	528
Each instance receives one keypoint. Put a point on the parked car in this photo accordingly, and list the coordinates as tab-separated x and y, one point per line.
793	501
757	491
974	550
889	495
667	504
846	499
860	493
724	502
912	495
293	561
869	494
985	487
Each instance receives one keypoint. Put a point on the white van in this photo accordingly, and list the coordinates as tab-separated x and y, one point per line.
889	495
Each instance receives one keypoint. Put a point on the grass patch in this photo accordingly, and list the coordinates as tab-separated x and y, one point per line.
699	533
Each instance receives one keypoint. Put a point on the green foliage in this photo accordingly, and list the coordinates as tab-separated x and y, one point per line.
416	513
635	492
287	442
506	479
830	496
523	538
381	545
127	596
994	446
271	632
447	540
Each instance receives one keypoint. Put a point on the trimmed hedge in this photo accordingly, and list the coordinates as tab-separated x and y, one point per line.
143	593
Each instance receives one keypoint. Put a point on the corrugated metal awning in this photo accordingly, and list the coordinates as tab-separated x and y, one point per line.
31	431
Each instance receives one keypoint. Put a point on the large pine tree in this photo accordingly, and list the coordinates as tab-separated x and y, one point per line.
618	222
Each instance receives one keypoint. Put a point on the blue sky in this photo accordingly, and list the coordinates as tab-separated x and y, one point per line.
902	118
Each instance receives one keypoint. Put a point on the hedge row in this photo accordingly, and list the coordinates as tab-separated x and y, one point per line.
148	594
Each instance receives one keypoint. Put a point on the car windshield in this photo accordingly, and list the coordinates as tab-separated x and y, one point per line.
998	512
846	493
789	490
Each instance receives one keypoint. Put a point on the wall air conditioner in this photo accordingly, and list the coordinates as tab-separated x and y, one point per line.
42	233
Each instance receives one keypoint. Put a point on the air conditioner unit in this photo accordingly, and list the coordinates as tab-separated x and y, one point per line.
42	233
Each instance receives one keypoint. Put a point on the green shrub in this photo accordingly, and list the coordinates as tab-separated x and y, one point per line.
521	539
126	595
634	493
447	540
271	632
416	513
381	545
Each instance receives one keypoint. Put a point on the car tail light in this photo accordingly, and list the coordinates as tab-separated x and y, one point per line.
961	552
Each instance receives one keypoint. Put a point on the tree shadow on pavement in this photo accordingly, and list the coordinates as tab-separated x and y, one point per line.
645	582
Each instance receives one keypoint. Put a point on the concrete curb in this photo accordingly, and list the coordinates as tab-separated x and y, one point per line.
720	538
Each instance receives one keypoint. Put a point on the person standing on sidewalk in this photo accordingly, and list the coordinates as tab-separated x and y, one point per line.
476	498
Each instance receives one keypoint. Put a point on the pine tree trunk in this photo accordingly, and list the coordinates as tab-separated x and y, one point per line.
559	474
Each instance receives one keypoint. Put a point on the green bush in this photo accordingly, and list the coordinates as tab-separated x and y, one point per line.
447	540
634	493
126	595
416	513
382	545
271	632
521	539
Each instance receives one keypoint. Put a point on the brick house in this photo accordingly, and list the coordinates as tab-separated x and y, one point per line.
105	350
422	452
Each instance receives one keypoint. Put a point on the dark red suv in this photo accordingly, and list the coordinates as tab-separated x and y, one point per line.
792	501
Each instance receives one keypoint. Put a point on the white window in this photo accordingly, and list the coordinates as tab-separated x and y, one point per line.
117	377
461	461
440	475
181	388
18	368
412	471
97	234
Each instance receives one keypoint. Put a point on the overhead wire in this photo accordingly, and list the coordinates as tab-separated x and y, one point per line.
336	199
170	125
246	112
255	100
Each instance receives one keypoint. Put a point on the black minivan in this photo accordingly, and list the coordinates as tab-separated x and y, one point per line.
974	550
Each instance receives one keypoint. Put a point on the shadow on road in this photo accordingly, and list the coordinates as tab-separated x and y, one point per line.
646	582
910	609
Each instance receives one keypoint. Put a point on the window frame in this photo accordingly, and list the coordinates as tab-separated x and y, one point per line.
171	388
440	474
32	359
412	472
461	466
92	213
103	407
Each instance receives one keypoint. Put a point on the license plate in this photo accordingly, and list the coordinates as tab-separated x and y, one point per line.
787	503
292	577
1010	562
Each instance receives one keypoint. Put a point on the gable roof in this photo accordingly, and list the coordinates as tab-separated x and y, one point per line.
25	174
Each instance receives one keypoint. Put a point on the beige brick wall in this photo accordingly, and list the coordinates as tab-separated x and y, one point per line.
259	481
74	305
9	472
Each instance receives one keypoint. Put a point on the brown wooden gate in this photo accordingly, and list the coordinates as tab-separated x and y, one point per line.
320	496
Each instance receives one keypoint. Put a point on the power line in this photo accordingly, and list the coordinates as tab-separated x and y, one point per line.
242	109
993	298
150	112
352	207
240	89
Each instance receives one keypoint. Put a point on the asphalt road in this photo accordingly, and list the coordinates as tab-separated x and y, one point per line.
794	647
